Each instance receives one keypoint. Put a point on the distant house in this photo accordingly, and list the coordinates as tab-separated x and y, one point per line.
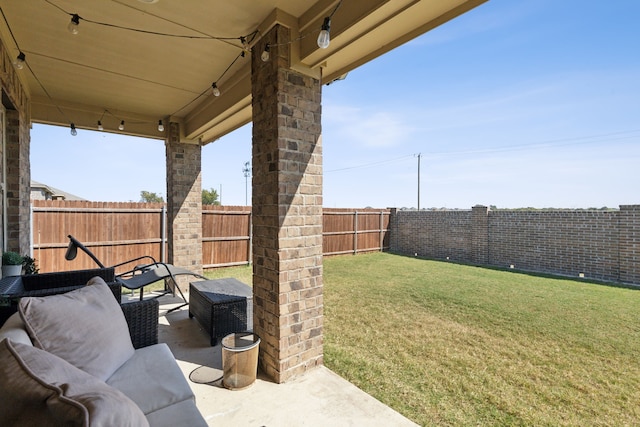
40	191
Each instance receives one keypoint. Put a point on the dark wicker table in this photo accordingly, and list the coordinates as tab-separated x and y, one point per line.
222	306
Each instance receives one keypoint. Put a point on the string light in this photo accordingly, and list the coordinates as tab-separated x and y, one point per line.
74	24
19	62
265	54
324	38
245	45
214	89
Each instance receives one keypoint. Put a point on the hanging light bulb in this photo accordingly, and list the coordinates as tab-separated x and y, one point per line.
100	127
19	61
74	24
74	132
215	90
324	38
160	126
245	45
265	53
121	126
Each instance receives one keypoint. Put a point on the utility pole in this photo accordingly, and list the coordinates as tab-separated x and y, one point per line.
247	171
419	155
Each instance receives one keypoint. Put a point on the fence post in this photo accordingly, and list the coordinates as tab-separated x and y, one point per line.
163	231
250	248
355	232
381	231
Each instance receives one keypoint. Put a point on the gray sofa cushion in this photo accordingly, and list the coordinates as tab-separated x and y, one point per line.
14	329
40	389
85	327
152	379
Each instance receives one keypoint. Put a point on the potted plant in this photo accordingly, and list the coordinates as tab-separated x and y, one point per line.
29	265
11	264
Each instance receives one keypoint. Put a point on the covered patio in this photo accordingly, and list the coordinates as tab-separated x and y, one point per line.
187	73
318	398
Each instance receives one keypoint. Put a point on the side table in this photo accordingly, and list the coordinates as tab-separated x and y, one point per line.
222	306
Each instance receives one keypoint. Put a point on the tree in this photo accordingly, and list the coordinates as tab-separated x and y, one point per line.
210	197
149	197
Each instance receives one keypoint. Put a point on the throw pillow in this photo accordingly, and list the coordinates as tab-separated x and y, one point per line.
40	389
85	327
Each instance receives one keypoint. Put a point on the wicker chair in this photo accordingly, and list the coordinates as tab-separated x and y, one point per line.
140	275
142	316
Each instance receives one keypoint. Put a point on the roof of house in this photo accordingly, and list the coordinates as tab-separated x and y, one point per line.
55	192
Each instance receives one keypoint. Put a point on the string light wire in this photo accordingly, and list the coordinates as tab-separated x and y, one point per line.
245	42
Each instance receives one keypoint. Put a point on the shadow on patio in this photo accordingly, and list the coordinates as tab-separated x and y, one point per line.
319	398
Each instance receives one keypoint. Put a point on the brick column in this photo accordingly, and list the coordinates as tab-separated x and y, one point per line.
18	139
629	243
480	235
18	184
184	203
287	212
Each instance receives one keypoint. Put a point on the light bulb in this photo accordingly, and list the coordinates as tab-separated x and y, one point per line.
160	126
100	127
121	127
245	45
74	132
215	90
324	38
74	24
19	62
265	54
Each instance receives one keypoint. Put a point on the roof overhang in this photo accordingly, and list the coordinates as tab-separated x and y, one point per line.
110	73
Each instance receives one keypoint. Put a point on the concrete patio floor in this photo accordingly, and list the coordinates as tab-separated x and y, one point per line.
319	398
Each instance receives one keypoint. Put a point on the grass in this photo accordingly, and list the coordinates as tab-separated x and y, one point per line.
453	345
446	344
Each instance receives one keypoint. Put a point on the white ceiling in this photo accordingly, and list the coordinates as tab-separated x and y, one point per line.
114	74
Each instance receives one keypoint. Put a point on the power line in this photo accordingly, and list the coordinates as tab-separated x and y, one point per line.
366	165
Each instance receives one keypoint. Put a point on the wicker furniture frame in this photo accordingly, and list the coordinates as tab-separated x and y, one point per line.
222	306
142	316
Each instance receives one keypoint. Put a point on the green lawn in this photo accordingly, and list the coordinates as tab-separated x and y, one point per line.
446	344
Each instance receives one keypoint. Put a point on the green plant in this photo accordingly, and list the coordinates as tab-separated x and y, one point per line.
11	258
30	266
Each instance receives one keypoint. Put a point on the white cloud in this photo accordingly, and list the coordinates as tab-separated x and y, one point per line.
368	128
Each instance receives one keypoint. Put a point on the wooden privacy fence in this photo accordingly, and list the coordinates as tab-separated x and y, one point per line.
115	232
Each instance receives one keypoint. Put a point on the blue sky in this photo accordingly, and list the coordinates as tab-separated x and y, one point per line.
514	104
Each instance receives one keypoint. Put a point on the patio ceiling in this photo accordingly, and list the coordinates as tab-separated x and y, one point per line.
111	74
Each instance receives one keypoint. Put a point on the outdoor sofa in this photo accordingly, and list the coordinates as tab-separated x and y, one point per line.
82	358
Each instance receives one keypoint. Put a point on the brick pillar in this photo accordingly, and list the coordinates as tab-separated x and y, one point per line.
629	243
393	230
287	212
480	235
184	203
18	184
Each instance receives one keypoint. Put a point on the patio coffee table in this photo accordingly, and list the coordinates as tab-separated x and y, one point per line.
222	306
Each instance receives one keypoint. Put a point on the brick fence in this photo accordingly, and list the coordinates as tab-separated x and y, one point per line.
602	245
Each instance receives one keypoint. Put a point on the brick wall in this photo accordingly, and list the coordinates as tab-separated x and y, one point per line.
432	234
603	245
17	123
